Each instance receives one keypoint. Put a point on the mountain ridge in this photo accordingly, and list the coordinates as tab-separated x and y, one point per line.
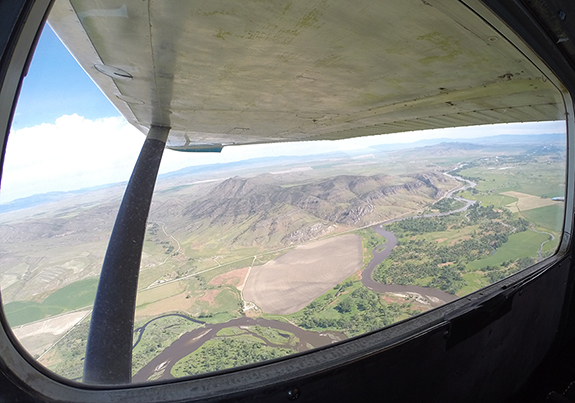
487	141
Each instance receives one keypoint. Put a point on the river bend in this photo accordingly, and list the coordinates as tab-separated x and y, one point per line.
162	364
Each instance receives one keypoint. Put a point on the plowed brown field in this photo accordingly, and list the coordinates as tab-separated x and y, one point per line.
287	284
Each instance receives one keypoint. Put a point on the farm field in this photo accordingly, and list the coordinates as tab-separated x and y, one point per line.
497	200
290	282
37	337
544	216
523	244
353	309
79	294
527	202
544	176
534	187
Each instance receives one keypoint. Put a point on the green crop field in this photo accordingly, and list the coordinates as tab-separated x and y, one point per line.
549	217
537	179
73	296
22	312
523	244
497	200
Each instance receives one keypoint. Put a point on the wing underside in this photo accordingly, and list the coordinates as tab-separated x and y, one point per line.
242	72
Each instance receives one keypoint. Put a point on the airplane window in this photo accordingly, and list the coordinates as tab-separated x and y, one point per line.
261	251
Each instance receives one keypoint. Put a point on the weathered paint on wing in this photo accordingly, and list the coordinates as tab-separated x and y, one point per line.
242	72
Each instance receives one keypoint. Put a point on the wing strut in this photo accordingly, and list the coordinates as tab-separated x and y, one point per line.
109	349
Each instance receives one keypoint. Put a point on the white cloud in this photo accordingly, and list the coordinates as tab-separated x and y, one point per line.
73	153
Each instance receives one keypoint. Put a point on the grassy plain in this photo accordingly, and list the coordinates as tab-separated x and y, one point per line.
549	217
497	200
523	244
448	237
76	295
474	281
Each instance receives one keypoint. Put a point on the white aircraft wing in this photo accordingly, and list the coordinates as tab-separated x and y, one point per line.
243	72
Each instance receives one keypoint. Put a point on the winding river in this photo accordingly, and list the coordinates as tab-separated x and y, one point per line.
438	297
160	367
162	364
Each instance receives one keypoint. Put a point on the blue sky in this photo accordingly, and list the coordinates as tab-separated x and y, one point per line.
57	86
66	135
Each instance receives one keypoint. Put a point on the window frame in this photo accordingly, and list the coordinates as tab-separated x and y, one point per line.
273	379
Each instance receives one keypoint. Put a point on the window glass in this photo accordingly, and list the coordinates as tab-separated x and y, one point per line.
259	252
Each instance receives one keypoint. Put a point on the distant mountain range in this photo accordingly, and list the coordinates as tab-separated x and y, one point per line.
43	198
556	140
252	163
446	141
